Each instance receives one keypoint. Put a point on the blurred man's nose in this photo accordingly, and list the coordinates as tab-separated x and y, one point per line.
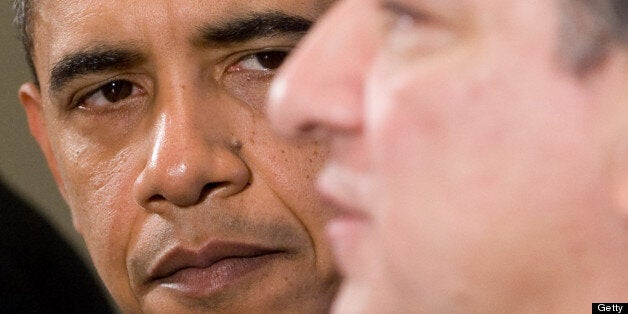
192	155
320	87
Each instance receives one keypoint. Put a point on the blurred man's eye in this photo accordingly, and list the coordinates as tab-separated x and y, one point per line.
402	16
412	31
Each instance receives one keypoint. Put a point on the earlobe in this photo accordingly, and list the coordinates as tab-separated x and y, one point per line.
30	97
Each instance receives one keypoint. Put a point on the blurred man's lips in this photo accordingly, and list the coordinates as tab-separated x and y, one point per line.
199	273
345	232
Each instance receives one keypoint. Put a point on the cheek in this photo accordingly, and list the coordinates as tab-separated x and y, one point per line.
456	156
98	183
289	167
411	131
98	188
250	88
290	171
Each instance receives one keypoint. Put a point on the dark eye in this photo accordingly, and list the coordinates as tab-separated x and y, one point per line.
271	59
109	94
261	61
117	90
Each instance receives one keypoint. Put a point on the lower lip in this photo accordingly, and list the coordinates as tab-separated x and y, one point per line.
202	282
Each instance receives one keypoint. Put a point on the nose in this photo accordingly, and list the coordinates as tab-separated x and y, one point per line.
190	158
320	87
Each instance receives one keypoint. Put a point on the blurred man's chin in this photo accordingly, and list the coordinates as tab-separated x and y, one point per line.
366	298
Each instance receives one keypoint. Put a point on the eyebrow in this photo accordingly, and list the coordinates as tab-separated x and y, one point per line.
253	26
94	60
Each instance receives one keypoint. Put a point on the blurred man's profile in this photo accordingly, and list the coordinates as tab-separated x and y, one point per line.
479	151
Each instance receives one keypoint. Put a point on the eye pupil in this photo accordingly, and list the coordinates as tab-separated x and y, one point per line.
117	90
271	59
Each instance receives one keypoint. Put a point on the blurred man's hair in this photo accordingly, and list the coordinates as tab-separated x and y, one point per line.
589	30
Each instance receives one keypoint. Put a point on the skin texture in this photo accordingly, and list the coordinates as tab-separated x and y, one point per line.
185	158
476	173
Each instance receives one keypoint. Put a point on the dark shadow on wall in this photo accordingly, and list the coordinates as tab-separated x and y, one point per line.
39	270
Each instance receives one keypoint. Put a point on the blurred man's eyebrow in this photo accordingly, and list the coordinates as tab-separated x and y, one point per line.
92	61
253	26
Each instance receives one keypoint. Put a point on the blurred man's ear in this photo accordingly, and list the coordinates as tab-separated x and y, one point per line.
621	190
30	97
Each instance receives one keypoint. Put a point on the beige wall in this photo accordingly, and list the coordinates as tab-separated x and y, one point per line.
22	165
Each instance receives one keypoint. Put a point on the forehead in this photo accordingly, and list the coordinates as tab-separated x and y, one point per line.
77	12
61	26
56	10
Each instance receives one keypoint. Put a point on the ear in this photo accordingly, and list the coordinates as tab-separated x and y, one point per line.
30	97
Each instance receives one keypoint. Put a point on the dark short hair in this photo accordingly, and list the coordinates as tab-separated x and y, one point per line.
604	22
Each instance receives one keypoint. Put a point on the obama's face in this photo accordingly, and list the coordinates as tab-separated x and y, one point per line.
151	116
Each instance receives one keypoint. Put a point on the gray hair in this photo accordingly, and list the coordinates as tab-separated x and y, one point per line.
589	30
23	21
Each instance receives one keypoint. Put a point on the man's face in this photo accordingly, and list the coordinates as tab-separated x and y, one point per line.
151	114
465	156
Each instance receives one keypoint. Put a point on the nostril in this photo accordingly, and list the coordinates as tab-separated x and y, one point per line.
214	186
156	198
222	187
